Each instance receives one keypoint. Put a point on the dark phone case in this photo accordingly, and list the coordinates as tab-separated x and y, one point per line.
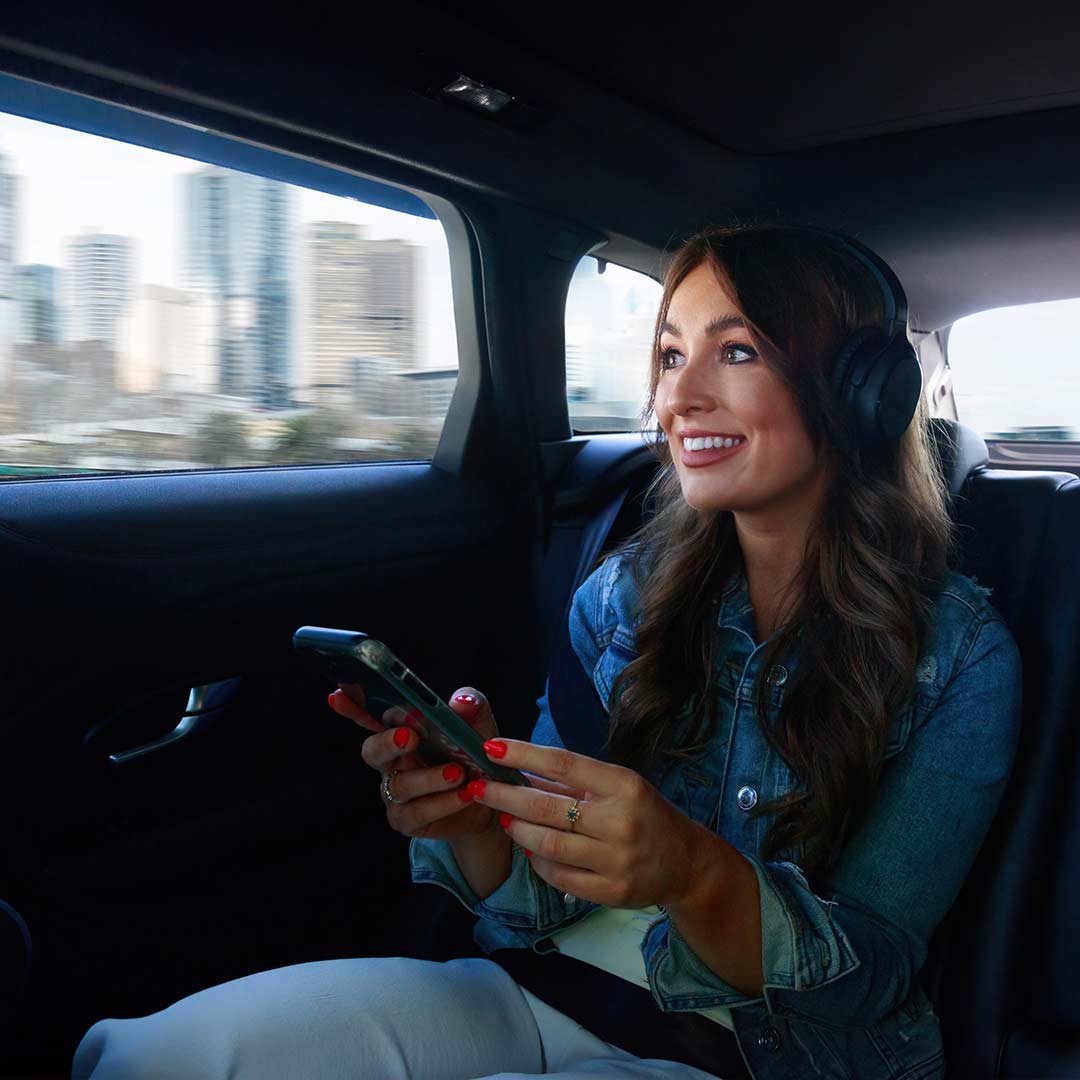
444	735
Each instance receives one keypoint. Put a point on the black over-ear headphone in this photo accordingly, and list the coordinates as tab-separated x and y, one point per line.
876	372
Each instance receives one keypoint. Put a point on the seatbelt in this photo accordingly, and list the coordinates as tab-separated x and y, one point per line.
580	716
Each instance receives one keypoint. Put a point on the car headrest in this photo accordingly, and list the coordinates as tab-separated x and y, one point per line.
961	451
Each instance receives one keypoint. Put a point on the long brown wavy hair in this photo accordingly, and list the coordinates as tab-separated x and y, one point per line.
874	559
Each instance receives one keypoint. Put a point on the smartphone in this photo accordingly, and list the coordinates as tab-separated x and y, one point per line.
349	656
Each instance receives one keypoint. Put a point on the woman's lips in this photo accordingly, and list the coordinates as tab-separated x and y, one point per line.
695	459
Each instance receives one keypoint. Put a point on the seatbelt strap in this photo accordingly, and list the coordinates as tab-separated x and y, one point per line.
579	715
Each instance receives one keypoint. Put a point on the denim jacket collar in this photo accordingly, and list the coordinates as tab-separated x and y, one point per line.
734	603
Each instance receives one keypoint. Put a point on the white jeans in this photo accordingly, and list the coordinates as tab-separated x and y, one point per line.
382	1018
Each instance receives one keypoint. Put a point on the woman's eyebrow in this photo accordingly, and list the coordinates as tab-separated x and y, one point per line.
717	326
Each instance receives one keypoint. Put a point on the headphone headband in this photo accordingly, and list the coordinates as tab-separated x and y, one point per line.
894	321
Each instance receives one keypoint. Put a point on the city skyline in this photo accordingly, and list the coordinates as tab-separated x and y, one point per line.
138	192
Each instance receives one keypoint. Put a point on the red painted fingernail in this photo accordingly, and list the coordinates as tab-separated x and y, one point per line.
476	787
413	718
528	853
495	748
401	738
467	698
464	794
330	699
505	819
453	773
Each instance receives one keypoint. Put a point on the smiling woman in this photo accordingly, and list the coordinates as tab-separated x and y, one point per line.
794	586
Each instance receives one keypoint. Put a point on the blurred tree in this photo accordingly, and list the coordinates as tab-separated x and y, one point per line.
219	440
309	440
415	440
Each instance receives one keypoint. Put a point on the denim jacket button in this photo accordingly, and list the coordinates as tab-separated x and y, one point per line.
747	798
777	675
769	1039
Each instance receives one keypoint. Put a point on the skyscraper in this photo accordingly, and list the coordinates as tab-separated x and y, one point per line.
38	321
158	351
363	306
337	330
101	275
391	303
236	231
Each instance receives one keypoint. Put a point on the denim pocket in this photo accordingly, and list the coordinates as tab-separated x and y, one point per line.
910	1038
696	795
612	660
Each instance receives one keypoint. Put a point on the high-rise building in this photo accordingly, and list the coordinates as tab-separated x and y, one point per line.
338	333
158	347
38	314
101	277
9	194
236	237
391	302
578	383
362	306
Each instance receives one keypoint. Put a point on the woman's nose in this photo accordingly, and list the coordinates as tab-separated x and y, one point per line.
692	388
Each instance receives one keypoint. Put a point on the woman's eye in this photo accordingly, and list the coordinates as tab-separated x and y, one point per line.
665	358
748	353
731	354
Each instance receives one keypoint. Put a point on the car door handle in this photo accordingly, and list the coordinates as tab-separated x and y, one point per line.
203	703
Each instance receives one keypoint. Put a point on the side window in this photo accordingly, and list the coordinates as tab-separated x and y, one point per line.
610	320
1015	376
158	313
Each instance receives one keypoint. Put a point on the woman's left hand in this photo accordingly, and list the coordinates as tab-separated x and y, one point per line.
629	848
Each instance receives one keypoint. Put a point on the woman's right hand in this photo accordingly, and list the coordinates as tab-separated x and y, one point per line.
430	802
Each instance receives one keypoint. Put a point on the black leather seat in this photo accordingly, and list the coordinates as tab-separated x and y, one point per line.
1001	964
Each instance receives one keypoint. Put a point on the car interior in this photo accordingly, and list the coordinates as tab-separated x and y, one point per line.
155	607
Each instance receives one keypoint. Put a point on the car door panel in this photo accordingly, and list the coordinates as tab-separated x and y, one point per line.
259	840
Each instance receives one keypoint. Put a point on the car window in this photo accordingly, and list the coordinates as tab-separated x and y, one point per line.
160	313
1015	371
610	321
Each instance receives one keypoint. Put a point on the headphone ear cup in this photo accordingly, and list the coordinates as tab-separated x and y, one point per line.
878	382
892	391
842	365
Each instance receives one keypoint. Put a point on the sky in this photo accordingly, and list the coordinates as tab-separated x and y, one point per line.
71	181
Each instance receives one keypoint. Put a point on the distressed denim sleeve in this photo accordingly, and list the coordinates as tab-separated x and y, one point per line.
848	957
523	900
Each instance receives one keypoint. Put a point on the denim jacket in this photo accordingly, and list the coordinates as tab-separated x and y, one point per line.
841	996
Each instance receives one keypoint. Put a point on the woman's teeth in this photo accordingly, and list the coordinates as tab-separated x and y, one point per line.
712	442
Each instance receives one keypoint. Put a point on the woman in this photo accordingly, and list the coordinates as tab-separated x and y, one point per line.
812	720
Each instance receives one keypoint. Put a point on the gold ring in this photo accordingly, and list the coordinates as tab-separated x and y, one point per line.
573	813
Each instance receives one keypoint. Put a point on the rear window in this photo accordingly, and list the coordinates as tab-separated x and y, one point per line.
610	321
1015	369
